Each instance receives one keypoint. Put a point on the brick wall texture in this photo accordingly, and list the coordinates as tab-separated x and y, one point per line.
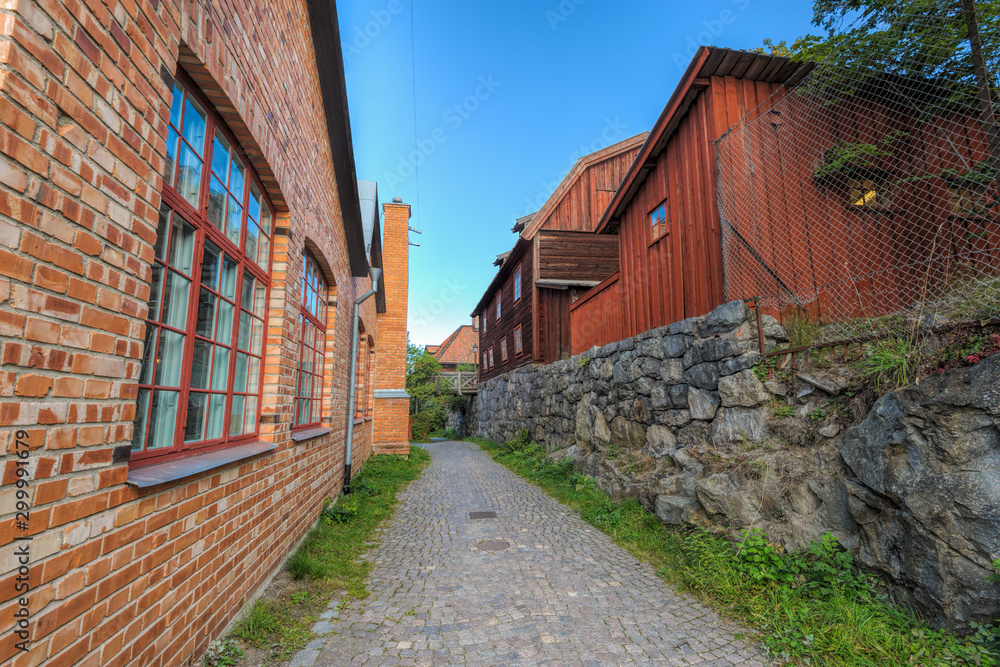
147	577
391	433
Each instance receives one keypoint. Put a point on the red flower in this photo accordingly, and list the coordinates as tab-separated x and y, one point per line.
973	358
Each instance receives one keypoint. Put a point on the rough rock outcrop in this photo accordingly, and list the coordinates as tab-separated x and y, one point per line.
926	493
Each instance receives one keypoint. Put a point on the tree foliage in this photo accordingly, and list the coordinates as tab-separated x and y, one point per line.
924	39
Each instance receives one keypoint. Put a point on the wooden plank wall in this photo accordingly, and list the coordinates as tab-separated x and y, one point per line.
576	256
554	323
580	209
839	260
595	318
679	275
511	314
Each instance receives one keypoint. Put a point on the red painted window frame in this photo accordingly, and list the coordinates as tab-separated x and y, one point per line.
518	341
320	328
517	284
492	365
499	299
504	357
204	229
361	378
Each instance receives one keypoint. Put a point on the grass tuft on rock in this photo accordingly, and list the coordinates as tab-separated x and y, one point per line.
813	608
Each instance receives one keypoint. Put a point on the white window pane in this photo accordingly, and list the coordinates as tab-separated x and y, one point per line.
194	430
162	419
220	369
175	300
236	416
170	361
188	175
216	416
250	415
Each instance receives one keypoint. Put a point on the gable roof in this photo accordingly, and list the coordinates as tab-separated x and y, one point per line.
708	61
536	220
457	348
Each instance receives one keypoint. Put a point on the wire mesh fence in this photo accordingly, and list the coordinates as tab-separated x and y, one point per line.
863	200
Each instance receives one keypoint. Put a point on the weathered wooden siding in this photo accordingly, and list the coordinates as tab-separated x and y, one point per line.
584	202
576	256
553	324
511	314
679	275
841	261
595	318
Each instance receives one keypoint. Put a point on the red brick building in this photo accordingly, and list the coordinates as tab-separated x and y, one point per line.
181	243
460	347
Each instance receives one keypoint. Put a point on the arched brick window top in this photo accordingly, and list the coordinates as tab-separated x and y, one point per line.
200	383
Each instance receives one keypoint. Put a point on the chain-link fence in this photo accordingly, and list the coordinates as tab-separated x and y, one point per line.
863	199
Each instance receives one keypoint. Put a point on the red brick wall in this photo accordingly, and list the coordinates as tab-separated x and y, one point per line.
121	576
392	415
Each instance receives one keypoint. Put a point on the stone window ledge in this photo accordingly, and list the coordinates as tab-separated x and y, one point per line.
310	433
171	471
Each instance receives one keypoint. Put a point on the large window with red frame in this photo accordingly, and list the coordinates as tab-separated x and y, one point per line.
199	385
312	346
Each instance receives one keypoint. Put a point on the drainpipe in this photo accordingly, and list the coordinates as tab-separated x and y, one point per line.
374	274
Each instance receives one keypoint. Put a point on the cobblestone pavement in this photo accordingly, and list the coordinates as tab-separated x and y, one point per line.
561	593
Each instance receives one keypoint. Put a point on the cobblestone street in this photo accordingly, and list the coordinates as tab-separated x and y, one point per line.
446	590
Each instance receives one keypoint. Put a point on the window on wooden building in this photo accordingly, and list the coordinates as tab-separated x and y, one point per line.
658	220
517	285
503	350
200	379
312	345
518	344
486	364
499	299
491	356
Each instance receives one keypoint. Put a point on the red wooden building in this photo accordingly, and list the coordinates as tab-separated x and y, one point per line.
524	312
835	241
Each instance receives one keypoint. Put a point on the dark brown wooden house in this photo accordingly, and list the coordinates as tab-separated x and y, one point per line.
816	242
524	313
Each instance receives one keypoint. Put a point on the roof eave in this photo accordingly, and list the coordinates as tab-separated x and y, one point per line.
333	87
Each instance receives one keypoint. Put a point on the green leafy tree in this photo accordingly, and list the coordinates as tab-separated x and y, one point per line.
427	398
926	39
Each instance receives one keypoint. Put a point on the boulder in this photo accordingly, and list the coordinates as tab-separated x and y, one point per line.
927	494
660	441
672	371
716	349
737	425
627	434
702	404
725	318
742	389
675	510
704	376
675	346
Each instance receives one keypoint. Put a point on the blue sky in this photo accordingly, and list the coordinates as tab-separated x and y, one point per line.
476	115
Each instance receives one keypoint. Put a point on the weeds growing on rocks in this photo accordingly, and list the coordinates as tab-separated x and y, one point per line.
813	608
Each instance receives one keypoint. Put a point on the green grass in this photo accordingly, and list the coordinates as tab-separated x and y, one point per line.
327	562
810	609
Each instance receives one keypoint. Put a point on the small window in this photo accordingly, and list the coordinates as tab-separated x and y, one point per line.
499	298
969	201
361	377
518	344
370	386
517	285
486	360
491	356
312	346
658	220
867	193
503	350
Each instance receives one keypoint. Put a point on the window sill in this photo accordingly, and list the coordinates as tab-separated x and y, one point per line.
310	433
171	471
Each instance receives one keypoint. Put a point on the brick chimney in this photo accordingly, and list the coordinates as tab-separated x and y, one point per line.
391	428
